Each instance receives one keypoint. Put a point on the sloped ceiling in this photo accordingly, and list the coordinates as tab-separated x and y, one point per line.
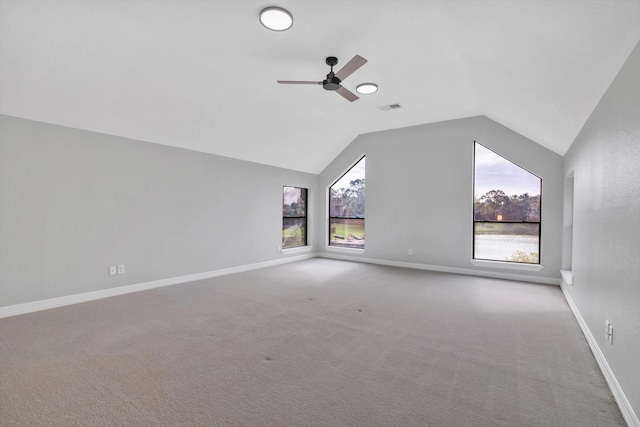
201	74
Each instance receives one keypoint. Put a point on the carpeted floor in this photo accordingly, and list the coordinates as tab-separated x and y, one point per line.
314	343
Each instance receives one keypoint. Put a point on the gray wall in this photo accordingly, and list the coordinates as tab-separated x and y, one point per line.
74	202
605	163
420	191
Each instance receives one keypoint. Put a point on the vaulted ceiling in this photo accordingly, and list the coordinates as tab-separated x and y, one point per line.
201	74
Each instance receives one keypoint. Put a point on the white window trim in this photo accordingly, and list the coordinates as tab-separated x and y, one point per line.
344	250
506	265
298	249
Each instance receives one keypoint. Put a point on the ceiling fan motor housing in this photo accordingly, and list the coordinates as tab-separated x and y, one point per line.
332	82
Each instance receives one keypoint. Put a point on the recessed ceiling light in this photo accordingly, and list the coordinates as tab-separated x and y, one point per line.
367	88
276	18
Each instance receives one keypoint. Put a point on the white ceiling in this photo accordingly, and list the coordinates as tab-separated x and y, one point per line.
201	74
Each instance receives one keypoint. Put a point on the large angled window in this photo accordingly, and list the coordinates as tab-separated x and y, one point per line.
506	210
346	208
294	217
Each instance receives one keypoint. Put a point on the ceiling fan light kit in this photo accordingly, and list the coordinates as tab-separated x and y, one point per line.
276	18
334	80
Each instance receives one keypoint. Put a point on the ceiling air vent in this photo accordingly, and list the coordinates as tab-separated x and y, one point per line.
390	107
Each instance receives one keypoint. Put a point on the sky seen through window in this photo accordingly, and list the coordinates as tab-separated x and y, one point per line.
494	172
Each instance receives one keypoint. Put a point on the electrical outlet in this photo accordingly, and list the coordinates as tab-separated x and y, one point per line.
410	251
120	268
112	270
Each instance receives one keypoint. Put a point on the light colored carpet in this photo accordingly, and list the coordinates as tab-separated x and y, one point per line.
313	343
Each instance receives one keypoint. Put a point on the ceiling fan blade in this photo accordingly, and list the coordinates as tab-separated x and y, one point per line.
351	66
298	82
349	96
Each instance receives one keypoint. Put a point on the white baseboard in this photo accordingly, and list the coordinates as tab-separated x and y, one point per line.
30	307
455	270
628	413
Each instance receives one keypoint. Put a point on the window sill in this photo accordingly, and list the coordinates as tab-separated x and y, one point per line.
506	265
344	250
297	249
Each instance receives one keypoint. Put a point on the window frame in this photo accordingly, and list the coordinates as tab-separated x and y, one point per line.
330	217
303	217
474	221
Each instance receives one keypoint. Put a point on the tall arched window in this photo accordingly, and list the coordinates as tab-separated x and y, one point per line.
506	210
346	208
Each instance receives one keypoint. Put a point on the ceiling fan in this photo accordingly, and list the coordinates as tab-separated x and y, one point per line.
333	80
